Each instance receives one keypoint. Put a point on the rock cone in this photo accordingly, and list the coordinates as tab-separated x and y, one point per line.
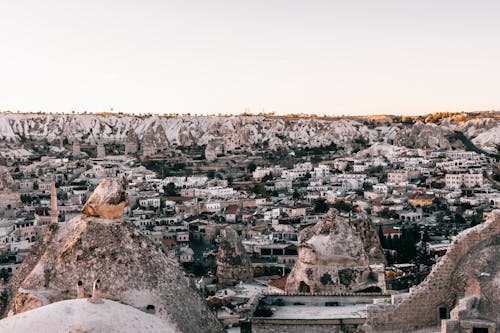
129	266
335	256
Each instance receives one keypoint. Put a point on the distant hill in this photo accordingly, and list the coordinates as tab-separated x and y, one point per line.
431	131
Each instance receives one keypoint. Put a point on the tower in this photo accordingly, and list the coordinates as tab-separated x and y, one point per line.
76	149
54	213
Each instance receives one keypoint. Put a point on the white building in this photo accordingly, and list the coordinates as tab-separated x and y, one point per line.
322	171
380	188
186	182
150	202
359	167
213	207
457	180
397	177
260	173
186	254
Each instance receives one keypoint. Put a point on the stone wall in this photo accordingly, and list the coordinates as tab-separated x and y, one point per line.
419	308
302	326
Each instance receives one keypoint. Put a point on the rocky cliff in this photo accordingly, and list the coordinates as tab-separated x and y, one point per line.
335	256
99	244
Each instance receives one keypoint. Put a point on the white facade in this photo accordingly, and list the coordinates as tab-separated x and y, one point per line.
359	167
380	188
397	177
186	182
260	173
321	171
457	180
150	202
213	207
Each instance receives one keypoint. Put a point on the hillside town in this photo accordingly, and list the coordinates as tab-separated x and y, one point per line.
231	214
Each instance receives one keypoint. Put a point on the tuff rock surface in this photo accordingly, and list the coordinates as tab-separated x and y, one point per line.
158	133
131	269
9	193
107	201
79	315
335	255
233	263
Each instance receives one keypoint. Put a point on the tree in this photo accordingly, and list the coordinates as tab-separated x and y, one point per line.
342	206
374	170
381	237
170	189
320	205
259	189
251	167
267	177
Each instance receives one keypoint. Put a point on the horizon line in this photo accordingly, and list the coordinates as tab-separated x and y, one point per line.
271	114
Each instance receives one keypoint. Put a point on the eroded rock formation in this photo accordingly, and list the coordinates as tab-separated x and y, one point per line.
154	140
335	256
233	263
99	244
107	201
9	193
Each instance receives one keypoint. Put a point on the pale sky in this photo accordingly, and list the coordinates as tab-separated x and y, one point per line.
209	56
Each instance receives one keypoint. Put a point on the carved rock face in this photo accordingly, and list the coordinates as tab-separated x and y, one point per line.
107	202
334	256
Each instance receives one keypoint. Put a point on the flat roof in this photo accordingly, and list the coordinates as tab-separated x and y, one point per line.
306	312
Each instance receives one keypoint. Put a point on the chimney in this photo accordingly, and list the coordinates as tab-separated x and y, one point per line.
54	212
80	292
96	299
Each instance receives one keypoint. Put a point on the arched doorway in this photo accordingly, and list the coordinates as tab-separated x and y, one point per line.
304	287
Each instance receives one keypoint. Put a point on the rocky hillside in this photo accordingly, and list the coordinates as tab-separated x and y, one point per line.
98	244
271	132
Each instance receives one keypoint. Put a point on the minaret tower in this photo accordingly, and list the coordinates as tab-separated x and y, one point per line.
54	213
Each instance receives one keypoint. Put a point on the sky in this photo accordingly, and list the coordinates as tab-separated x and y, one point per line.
352	57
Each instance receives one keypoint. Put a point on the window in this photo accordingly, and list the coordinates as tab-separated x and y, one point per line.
304	288
479	330
443	312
